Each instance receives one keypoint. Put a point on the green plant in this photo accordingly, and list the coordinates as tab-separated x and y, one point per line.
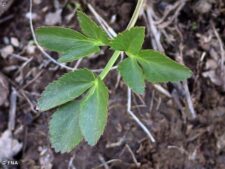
81	96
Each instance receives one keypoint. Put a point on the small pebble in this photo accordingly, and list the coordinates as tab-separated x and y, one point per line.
6	51
32	15
203	6
4	89
15	42
53	18
37	2
6	40
30	49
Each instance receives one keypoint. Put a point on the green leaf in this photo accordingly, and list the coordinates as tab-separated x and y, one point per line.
66	88
159	68
59	39
80	51
129	41
64	127
91	29
72	44
94	113
132	75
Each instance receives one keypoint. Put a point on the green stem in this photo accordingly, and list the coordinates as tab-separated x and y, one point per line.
136	13
116	54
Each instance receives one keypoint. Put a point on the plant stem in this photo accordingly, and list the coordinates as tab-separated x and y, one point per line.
110	64
116	54
136	13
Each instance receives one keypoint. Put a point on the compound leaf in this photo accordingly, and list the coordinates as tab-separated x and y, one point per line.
66	88
93	114
64	127
159	68
129	41
91	29
132	75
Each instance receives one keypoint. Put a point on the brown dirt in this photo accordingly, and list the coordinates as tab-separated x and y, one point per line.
182	143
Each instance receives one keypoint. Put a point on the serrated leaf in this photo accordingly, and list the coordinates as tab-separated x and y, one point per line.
132	75
80	51
66	88
129	41
93	116
91	29
159	68
59	39
64	128
72	44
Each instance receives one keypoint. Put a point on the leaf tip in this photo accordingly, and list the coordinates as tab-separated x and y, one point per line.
41	106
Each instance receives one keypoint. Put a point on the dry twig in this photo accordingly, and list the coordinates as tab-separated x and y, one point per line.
101	158
12	110
108	162
221	46
133	156
102	22
176	13
70	164
136	118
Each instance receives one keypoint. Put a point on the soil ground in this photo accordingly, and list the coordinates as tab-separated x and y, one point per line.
181	142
